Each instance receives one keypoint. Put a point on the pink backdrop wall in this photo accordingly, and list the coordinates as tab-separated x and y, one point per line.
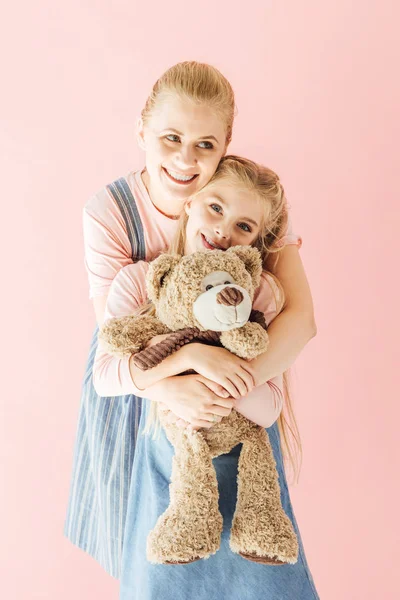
318	100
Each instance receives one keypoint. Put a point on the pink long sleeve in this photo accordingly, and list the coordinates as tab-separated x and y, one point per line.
111	375
264	404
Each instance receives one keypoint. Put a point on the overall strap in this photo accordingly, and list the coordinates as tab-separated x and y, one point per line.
122	195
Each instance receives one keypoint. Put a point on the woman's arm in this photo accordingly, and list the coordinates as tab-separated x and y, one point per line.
99	305
107	248
295	326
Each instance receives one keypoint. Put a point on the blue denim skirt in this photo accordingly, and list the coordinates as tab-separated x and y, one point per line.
222	575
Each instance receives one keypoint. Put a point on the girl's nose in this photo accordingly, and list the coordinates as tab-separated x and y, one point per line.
222	231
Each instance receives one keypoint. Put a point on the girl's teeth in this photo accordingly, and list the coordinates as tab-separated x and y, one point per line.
180	177
212	243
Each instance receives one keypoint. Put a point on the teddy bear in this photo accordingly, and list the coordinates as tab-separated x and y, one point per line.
207	296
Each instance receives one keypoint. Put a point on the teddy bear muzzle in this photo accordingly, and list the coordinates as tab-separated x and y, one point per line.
222	308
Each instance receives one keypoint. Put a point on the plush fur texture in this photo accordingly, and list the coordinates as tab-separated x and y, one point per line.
190	529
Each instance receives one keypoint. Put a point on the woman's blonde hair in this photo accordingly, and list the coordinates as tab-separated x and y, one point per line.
264	184
200	83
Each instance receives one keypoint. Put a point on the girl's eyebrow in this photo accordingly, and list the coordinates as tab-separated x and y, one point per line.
204	137
240	218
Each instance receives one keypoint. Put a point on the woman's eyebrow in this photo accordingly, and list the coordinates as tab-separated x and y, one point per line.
240	218
203	137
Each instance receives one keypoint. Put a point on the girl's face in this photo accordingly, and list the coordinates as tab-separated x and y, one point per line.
222	216
184	143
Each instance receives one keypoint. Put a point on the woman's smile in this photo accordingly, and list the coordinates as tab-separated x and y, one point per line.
179	178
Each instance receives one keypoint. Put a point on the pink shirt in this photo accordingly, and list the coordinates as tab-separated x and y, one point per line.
107	247
111	375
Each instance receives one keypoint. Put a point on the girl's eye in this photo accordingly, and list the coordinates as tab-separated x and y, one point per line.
245	227
209	287
216	207
207	145
175	138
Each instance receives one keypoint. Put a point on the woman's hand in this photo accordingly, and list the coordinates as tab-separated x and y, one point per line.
234	374
194	399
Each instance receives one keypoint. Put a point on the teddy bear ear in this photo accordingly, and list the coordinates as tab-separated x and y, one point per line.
252	260
158	269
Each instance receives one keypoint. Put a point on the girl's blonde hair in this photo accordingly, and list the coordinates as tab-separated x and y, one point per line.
198	82
265	185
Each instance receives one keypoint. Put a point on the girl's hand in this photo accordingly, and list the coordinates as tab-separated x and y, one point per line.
233	373
194	399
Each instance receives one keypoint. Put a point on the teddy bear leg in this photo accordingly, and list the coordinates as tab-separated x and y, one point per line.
190	528
261	531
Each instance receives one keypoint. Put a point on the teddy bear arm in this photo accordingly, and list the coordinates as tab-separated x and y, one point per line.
152	356
257	316
247	342
123	336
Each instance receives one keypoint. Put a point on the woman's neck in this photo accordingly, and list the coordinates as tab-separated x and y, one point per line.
157	203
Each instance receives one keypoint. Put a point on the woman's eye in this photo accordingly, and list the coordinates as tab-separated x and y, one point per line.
209	287
206	145
216	207
245	227
172	138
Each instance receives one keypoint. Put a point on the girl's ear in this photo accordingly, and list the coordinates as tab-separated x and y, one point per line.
140	134
158	269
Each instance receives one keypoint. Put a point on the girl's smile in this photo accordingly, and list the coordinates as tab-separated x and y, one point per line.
210	244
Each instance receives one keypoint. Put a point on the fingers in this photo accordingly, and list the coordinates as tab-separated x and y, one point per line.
199	423
217	410
248	376
218	389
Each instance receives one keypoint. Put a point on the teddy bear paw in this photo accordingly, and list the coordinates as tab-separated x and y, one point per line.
179	540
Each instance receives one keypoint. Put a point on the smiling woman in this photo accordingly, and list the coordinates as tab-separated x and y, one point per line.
180	161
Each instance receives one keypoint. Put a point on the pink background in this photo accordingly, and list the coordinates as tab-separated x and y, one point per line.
318	100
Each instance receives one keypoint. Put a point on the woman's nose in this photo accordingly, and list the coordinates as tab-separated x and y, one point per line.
186	157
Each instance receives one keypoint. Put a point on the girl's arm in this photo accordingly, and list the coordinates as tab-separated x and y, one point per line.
295	326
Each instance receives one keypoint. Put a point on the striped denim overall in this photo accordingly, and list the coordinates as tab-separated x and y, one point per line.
105	441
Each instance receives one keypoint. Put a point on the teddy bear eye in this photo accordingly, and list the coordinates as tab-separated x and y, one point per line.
209	287
226	282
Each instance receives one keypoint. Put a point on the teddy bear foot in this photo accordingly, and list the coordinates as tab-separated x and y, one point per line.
269	543
176	541
265	560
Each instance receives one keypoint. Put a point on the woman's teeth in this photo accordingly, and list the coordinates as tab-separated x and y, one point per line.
181	178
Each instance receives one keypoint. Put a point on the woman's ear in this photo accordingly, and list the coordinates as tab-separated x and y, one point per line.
140	134
187	206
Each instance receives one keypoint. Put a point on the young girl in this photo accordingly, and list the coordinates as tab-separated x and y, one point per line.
242	204
185	129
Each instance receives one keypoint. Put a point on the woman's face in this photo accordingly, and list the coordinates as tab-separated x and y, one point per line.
184	143
222	216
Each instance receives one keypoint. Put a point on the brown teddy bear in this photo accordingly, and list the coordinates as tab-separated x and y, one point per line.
208	296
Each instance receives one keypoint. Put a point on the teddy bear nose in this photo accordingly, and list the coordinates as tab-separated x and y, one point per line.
230	296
